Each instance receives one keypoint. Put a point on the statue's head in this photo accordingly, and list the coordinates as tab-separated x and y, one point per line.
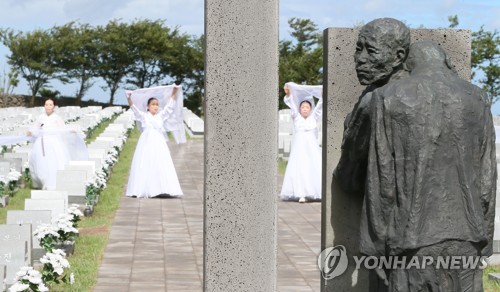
427	54
381	50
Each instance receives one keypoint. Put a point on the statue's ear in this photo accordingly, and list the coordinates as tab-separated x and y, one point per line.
400	57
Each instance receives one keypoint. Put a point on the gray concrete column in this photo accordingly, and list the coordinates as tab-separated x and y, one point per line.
241	134
341	89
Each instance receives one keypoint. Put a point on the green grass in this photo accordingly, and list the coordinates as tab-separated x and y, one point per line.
489	285
100	128
16	202
281	166
94	230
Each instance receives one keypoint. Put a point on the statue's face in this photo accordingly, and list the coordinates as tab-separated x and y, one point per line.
374	58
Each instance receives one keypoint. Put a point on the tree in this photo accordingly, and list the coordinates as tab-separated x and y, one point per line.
301	61
152	44
78	63
485	59
194	80
33	54
115	55
9	82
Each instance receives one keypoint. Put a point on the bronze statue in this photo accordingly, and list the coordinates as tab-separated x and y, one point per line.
422	150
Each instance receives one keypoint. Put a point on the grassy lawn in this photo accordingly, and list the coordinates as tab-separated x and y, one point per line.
489	285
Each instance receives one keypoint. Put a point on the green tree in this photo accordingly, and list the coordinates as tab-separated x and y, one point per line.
116	55
485	59
33	54
9	81
301	60
151	43
78	63
194	80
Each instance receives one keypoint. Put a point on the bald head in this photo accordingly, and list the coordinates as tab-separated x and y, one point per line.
428	54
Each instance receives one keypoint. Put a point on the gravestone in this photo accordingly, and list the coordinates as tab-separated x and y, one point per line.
74	182
15	232
341	89
4	167
50	195
22	155
2	277
33	218
56	206
88	166
13	254
241	87
15	163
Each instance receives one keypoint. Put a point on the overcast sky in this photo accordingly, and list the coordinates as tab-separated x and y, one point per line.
26	15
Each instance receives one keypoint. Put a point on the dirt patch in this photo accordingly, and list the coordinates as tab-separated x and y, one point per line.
93	230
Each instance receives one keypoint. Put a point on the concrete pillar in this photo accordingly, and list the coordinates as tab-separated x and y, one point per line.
241	145
341	89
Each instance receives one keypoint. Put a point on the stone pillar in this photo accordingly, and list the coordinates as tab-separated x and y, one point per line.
341	89
241	145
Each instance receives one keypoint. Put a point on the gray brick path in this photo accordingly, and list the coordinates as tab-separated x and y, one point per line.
157	244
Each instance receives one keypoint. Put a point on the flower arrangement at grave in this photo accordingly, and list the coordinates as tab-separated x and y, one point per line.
65	227
28	280
9	183
56	268
47	236
92	190
3	183
27	173
75	213
13	177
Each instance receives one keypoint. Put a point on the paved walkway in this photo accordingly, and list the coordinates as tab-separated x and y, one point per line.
157	244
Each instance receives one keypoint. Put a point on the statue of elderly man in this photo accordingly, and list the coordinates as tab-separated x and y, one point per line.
428	174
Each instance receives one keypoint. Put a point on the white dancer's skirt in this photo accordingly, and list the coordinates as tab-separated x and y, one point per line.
152	172
303	172
48	155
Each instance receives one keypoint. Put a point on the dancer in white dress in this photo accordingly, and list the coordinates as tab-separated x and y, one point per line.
302	179
49	152
152	172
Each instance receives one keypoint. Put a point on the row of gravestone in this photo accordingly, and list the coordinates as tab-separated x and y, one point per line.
194	125
18	245
17	121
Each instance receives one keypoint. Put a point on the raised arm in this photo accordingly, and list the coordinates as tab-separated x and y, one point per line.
129	100
318	110
139	115
290	102
169	110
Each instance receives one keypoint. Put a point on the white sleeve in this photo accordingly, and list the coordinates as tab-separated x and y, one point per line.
290	102
318	110
139	115
168	111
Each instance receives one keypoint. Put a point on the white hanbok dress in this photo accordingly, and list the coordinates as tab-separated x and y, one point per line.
48	153
303	172
152	172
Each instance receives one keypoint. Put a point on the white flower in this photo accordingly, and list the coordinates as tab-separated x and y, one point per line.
42	287
57	260
13	175
44	230
74	211
72	278
18	287
32	276
64	224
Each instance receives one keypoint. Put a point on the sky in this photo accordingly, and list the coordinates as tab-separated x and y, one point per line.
27	15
